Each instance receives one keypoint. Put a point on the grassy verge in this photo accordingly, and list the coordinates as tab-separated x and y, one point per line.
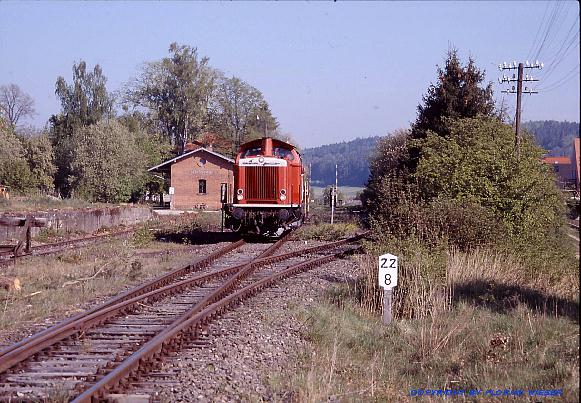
356	358
463	320
54	286
53	235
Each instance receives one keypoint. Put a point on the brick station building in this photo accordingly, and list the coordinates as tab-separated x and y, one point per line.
196	178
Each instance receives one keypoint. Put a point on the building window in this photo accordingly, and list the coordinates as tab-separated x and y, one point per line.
202	186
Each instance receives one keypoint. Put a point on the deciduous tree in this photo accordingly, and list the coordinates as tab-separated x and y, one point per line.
84	102
236	105
107	163
14	170
40	156
176	92
263	123
15	104
153	149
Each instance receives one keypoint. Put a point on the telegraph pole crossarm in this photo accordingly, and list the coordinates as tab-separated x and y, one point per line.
519	78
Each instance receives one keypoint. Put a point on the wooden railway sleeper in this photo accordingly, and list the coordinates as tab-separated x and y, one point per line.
150	285
231	300
208	318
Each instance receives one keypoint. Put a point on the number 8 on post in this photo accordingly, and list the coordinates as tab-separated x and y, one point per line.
387	271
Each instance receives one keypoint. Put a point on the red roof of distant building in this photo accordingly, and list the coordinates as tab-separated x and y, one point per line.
557	160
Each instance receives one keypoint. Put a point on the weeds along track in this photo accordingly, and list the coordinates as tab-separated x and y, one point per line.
41	337
100	351
8	256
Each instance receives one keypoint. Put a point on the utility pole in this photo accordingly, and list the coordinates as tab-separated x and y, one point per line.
519	78
334	196
309	190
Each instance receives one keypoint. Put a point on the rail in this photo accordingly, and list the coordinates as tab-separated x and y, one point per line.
125	296
55	247
211	305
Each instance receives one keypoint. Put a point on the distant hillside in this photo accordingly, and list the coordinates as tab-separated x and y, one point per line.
555	137
352	158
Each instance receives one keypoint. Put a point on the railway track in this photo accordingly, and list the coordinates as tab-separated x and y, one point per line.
102	350
8	256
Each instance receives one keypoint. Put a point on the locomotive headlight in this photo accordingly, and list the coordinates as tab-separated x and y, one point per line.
240	194
282	194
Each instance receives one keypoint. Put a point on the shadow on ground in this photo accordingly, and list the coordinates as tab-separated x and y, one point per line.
496	297
198	238
502	298
210	237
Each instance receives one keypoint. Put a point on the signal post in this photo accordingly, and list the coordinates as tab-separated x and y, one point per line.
387	276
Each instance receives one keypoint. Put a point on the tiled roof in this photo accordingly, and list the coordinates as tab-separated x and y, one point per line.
197	150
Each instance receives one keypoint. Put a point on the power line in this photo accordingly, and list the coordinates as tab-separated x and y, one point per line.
548	29
563	80
556	17
562	54
537	37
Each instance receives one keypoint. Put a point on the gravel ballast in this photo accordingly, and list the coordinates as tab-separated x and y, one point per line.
247	349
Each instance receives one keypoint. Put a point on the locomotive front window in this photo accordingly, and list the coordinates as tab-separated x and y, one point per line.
283	153
252	152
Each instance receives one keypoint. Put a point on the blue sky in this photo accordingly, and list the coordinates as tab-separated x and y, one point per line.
330	71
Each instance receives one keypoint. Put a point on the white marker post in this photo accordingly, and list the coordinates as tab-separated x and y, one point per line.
387	279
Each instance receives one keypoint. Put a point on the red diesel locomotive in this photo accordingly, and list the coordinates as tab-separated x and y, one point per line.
269	188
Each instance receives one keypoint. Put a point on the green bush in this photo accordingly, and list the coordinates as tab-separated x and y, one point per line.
460	223
142	236
464	225
469	188
477	164
182	230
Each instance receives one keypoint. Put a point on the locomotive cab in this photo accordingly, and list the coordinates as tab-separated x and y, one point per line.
268	188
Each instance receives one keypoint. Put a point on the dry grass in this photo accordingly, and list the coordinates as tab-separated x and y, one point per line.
356	358
326	232
501	282
55	286
463	320
35	203
433	280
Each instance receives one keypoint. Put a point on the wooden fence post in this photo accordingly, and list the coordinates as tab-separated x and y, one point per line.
25	241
